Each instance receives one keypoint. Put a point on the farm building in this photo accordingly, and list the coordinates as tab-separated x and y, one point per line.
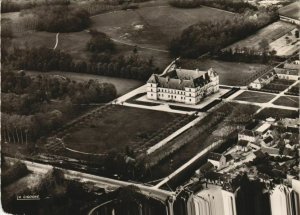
263	80
289	71
290	13
182	85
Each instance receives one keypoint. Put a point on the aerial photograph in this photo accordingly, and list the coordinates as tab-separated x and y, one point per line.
150	107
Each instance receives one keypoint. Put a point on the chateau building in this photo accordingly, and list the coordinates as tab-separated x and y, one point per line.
182	85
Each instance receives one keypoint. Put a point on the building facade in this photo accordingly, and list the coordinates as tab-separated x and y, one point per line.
182	85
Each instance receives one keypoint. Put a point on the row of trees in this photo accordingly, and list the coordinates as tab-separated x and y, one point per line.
185	3
35	106
14	6
229	5
213	35
43	59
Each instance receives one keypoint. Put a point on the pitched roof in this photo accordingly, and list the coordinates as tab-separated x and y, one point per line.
243	143
214	156
206	167
228	157
247	132
177	78
268	139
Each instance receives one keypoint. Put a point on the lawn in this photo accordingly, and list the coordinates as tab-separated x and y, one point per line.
290	101
258	97
271	33
118	127
231	73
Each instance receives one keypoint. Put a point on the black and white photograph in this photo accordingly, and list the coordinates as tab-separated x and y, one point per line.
150	107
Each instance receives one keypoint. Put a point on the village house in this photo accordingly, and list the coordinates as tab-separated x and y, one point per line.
263	80
182	85
218	160
248	135
289	71
242	145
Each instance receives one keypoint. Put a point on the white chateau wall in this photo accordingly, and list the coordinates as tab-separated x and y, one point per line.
280	200
296	190
214	201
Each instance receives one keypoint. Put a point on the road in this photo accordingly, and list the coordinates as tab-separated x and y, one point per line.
102	182
56	41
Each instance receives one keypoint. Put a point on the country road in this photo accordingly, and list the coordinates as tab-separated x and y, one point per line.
56	41
102	182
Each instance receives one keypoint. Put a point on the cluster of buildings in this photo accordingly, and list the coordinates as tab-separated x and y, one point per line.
287	71
182	85
275	137
261	140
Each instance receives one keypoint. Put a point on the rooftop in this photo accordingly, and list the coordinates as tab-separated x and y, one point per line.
291	11
261	128
247	132
214	156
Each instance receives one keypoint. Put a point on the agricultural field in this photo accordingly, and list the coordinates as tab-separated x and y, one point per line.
290	101
231	73
286	45
258	97
271	33
291	10
117	127
277	85
276	113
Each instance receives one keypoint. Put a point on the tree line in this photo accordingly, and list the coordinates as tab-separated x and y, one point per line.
33	107
229	5
212	36
44	60
13	6
60	18
185	3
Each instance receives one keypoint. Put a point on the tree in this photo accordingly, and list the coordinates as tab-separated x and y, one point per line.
264	45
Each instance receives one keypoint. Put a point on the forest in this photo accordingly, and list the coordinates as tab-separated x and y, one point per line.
34	106
44	60
212	36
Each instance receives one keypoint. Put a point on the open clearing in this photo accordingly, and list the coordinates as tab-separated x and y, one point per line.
231	73
271	33
149	27
291	10
290	101
258	97
116	128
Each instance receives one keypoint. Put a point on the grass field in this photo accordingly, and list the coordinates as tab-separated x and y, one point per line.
271	33
150	27
250	96
231	73
290	101
116	128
